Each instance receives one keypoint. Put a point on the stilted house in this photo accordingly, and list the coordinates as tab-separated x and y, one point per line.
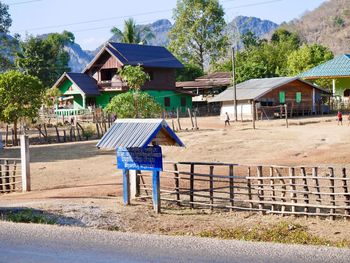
205	88
99	82
265	97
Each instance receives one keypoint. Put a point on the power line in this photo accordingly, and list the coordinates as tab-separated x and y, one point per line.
23	2
127	16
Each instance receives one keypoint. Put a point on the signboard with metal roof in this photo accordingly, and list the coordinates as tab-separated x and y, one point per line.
137	143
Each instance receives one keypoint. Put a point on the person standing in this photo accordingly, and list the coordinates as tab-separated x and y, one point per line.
340	118
227	119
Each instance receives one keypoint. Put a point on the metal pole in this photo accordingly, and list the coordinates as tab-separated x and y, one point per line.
234	83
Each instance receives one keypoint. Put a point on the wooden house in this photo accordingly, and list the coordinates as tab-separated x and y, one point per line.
265	96
205	88
99	82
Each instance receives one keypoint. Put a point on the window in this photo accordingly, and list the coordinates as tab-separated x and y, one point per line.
167	102
347	93
183	102
298	97
282	96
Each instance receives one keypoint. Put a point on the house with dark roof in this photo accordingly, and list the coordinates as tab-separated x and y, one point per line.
266	95
338	70
99	82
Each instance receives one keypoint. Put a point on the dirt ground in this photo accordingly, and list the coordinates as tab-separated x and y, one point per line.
80	182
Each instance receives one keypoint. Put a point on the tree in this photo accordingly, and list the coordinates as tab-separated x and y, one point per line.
5	18
21	97
133	34
262	59
45	58
189	72
307	57
134	76
124	106
197	33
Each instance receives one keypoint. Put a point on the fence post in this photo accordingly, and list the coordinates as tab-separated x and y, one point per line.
260	189
126	187
286	114
134	183
232	193
192	185
156	191
25	163
211	186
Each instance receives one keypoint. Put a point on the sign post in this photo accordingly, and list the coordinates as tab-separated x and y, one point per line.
138	159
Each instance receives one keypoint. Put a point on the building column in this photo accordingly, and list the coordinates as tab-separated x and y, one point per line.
333	82
84	101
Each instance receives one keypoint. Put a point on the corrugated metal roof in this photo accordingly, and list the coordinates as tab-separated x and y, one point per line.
148	56
252	89
255	88
337	67
129	133
87	84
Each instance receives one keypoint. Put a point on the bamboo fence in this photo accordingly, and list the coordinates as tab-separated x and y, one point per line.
302	191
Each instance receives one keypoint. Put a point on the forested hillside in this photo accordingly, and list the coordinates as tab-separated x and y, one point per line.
328	25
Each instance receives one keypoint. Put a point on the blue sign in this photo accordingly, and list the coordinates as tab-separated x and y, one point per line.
148	158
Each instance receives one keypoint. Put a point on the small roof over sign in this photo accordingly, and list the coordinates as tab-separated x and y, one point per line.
130	133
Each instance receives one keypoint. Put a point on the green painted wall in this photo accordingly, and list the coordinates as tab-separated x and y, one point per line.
66	85
342	84
105	97
175	99
103	100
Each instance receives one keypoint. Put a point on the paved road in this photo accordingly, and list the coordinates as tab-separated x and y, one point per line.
40	243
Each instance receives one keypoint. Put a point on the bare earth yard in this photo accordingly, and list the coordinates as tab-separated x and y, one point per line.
81	183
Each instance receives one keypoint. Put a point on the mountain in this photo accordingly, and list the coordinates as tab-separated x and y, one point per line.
242	24
328	25
79	58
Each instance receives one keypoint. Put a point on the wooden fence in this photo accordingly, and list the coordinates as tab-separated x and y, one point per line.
303	191
10	175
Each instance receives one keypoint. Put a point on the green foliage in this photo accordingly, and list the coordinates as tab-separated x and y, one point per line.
189	72
132	33
88	132
262	59
51	97
29	216
250	40
21	96
134	76
197	33
339	21
45	58
134	104
282	232
307	57
5	18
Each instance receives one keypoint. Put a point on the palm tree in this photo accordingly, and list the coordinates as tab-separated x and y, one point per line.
133	34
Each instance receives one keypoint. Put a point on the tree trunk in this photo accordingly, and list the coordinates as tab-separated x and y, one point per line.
15	143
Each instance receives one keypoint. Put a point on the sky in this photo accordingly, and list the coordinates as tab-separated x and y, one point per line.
91	20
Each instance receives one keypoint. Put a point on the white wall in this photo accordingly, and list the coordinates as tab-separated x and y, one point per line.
243	109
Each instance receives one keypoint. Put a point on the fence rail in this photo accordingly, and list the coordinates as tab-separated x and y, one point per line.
304	191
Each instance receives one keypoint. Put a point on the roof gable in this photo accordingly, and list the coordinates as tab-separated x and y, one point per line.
130	133
86	84
337	67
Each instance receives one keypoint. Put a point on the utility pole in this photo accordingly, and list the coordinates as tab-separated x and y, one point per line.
234	83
